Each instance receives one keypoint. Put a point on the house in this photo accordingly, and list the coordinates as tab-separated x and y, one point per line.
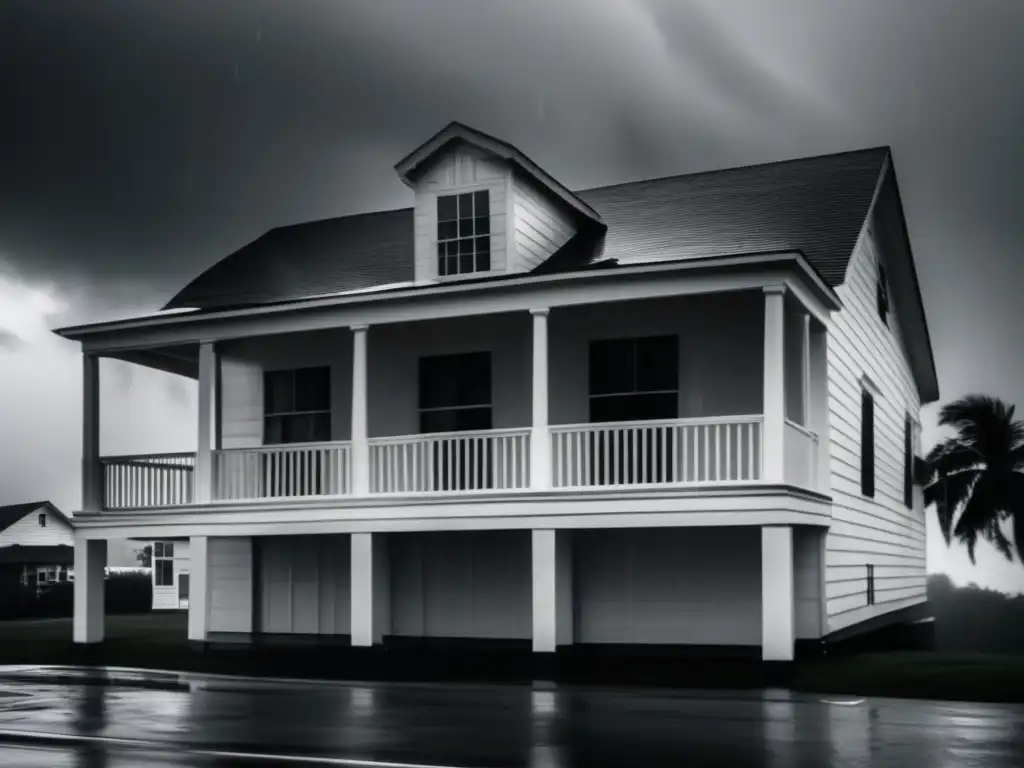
36	545
680	411
170	574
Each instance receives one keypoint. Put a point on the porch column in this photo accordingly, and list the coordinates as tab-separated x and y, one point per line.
805	369
773	428
371	606
89	591
818	414
778	604
203	476
198	588
552	590
92	470
360	451
540	439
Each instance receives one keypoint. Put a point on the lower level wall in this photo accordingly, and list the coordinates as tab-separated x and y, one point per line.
303	584
229	560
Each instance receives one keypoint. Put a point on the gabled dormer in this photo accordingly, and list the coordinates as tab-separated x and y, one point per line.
482	208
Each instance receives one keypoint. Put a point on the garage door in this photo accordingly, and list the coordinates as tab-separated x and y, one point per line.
692	586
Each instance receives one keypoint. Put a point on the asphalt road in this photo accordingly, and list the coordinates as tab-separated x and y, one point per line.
194	720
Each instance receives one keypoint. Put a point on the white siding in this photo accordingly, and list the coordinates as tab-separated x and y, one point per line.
461	584
461	170
880	531
28	532
304	584
541	226
230	583
691	586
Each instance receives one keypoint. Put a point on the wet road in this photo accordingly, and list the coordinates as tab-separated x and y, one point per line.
193	720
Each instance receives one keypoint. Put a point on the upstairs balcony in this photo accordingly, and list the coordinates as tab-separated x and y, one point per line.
685	392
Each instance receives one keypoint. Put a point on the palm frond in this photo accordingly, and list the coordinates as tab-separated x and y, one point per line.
949	493
1015	504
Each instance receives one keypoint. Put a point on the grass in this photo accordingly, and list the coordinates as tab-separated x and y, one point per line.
159	641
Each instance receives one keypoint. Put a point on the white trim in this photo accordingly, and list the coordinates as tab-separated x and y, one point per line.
457	300
866	382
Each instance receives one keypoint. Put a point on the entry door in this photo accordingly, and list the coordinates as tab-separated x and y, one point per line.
183	589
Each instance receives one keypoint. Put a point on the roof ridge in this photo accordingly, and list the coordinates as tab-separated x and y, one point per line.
747	167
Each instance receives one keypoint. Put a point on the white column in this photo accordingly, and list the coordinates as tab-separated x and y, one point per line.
371	606
805	369
199	588
90	577
819	416
92	470
774	402
540	438
552	590
778	604
203	474
360	452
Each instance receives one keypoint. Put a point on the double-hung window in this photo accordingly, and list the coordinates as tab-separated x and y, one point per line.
163	563
463	233
296	409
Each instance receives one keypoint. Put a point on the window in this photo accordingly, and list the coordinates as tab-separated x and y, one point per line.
633	380
42	519
463	233
163	563
47	574
183	585
455	396
908	462
297	406
871	585
883	294
867	443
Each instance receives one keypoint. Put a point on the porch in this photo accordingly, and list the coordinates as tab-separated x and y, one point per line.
718	390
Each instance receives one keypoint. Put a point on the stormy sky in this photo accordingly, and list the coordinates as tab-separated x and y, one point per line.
141	142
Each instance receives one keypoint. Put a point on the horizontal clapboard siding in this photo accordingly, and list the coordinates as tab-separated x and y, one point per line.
29	533
541	227
880	531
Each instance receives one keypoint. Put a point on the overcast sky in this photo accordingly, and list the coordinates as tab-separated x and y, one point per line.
142	141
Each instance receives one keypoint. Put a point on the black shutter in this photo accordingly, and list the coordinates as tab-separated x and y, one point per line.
867	447
908	463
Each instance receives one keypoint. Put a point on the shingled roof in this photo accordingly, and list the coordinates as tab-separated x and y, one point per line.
12	513
815	205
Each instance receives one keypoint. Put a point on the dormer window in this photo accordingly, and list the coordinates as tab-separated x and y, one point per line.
463	233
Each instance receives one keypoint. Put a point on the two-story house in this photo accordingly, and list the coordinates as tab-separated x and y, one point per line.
679	411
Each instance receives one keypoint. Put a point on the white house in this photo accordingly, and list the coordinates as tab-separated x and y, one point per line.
36	545
680	411
170	573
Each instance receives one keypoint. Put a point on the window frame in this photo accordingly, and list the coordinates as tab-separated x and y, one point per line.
421	410
636	390
294	412
164	560
480	259
42	519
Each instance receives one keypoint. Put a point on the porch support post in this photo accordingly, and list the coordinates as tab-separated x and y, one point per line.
805	369
778	603
370	583
773	428
552	590
540	436
818	413
199	588
360	451
89	591
92	470
203	476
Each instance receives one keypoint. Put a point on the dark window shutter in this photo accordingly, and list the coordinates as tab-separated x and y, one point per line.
867	447
908	463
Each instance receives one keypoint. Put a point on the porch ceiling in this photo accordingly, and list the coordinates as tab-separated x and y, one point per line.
180	359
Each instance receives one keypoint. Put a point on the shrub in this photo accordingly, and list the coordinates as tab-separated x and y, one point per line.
125	593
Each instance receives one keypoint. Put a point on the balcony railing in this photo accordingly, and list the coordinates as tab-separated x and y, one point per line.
451	461
153	480
681	452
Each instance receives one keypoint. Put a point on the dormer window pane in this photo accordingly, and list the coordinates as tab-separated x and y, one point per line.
463	233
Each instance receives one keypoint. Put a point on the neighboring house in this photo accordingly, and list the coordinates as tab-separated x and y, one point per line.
36	545
680	411
170	571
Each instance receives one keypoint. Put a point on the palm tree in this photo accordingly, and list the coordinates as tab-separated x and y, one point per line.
978	474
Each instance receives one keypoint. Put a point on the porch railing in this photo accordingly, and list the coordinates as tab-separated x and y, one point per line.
282	471
152	480
801	456
451	461
680	451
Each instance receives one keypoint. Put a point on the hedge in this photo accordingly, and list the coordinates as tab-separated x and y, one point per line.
125	593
